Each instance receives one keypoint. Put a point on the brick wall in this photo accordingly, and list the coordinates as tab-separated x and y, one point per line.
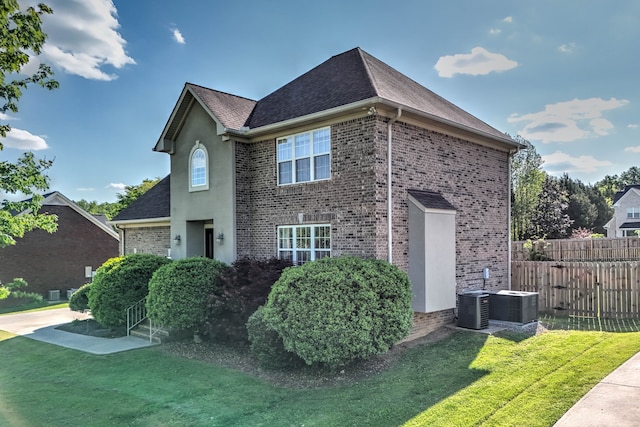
472	177
146	240
57	261
346	201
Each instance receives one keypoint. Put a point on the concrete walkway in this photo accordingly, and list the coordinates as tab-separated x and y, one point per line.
41	326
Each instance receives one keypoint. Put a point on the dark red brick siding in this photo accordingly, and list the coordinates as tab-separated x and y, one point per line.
57	261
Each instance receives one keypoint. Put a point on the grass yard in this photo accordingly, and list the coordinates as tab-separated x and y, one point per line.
466	379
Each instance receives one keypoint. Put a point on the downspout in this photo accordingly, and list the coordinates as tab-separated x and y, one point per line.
511	153
390	188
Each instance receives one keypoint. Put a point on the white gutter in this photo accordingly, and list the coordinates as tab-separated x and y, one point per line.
390	189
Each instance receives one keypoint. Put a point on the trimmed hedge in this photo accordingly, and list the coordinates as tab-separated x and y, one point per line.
79	301
178	291
119	283
337	310
267	345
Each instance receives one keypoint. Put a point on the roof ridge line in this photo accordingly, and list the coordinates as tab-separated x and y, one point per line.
372	79
220	91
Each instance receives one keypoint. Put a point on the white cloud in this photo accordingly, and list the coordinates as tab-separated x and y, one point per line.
635	149
568	121
177	35
5	116
508	19
495	31
83	38
85	189
567	48
560	162
24	140
116	186
632	126
479	62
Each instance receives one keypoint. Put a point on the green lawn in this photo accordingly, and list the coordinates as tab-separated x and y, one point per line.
464	380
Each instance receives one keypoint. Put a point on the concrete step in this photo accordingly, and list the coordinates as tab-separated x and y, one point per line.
143	331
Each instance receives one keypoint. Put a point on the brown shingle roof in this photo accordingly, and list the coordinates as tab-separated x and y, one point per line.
231	110
354	76
343	79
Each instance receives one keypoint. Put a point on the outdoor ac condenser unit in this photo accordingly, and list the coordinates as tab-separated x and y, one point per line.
513	306
473	310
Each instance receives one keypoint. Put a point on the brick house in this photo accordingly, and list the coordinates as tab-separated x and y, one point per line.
354	158
62	260
626	213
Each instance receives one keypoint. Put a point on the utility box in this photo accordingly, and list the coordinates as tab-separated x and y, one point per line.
513	306
54	295
473	310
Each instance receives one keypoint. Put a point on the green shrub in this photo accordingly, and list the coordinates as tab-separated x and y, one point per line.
338	310
11	290
245	287
178	291
33	296
267	345
79	301
119	283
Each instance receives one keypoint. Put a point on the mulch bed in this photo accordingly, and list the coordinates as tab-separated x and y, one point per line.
92	328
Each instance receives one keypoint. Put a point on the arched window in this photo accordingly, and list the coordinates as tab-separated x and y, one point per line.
198	168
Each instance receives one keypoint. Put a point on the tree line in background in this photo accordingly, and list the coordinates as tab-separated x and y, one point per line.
548	207
111	209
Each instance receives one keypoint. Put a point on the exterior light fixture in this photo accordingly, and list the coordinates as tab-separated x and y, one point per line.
220	238
177	239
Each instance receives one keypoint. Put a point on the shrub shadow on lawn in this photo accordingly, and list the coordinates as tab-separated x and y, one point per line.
435	347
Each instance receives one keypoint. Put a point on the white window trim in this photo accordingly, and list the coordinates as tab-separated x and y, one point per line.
635	213
311	156
294	250
205	186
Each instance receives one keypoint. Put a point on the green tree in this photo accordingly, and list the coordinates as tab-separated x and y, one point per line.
527	178
21	34
111	209
94	208
132	192
550	219
580	207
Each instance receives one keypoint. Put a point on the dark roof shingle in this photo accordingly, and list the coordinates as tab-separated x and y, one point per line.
431	199
355	76
621	193
155	203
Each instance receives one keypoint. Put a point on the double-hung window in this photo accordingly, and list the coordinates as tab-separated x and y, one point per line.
633	212
302	243
304	157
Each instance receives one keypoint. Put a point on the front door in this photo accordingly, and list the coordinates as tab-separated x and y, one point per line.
208	242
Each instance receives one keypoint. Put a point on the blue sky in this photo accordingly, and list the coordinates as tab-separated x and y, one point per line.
563	74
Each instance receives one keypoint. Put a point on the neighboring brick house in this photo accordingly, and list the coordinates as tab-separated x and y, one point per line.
145	225
626	213
354	158
62	260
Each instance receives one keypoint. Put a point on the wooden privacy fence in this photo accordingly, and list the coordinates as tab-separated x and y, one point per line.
586	289
607	249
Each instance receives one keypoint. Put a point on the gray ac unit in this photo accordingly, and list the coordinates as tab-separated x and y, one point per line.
513	306
54	295
473	310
